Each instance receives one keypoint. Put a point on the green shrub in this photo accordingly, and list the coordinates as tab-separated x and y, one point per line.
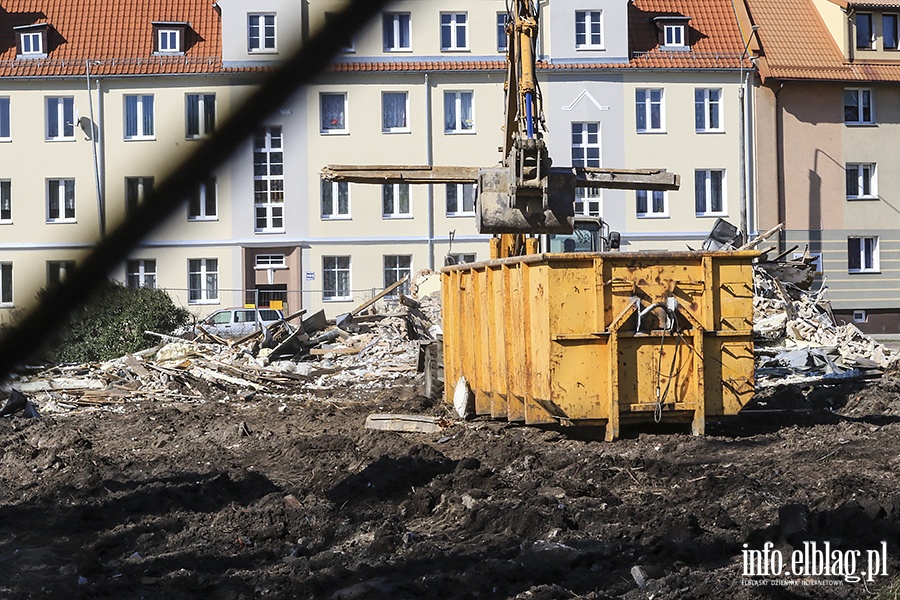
113	324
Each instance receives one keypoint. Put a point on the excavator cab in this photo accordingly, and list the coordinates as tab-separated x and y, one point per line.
590	234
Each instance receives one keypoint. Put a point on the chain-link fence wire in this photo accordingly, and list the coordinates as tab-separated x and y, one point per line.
24	339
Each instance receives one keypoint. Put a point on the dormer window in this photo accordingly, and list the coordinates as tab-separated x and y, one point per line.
673	32
31	41
168	37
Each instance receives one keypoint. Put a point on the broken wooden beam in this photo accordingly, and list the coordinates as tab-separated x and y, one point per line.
379	296
407	423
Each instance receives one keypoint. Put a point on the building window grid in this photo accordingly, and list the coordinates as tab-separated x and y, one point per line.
136	189
141	273
61	118
395	201
651	203
60	200
139	120
336	278
458	115
203	280
335	199
5	134
168	40
865	31
863	255
202	204
57	270
396	267
32	43
454	31
502	36
708	109
6	283
268	176
5	201
890	33
858	106
650	110
261	32
588	29
395	112
709	192
333	113
861	181
673	36
586	153
200	115
397	29
267	261
460	199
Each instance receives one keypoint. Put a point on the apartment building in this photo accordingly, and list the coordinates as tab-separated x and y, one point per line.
827	119
88	121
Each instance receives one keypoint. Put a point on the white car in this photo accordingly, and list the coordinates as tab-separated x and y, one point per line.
232	323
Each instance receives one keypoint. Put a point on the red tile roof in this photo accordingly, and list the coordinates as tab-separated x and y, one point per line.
117	33
795	44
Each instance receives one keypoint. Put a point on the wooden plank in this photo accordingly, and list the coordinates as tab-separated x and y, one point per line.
379	296
406	423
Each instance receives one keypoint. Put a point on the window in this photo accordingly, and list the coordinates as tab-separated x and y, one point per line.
395	200
57	270
261	33
5	201
651	203
136	189
673	36
889	31
138	117
458	112
141	273
460	199
271	261
336	278
502	36
709	192
454	31
31	43
395	112
6	295
396	32
396	267
202	202
60	118
333	113
588	29
865	33
708	109
460	258
858	107
32	40
335	199
862	255
348	41
4	119
168	40
586	153
60	200
861	182
200	115
203	280
649	110
859	316
268	180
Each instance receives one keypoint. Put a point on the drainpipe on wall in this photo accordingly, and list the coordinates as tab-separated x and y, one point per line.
95	133
429	160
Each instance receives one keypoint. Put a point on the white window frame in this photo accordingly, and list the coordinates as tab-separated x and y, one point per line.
385	128
454	105
140	186
457	191
649	199
704	105
868	249
199	201
163	39
862	95
5	122
65	213
6	215
707	190
455	24
60	109
330	192
461	258
588	21
334	266
143	130
203	122
265	43
588	202
502	36
866	176
204	269
644	106
6	284
332	128
392	29
140	273
394	272
870	45
587	151
860	316
34	39
396	210
269	203
270	261
674	36
895	27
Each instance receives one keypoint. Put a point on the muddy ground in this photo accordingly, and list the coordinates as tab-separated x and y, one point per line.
286	496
